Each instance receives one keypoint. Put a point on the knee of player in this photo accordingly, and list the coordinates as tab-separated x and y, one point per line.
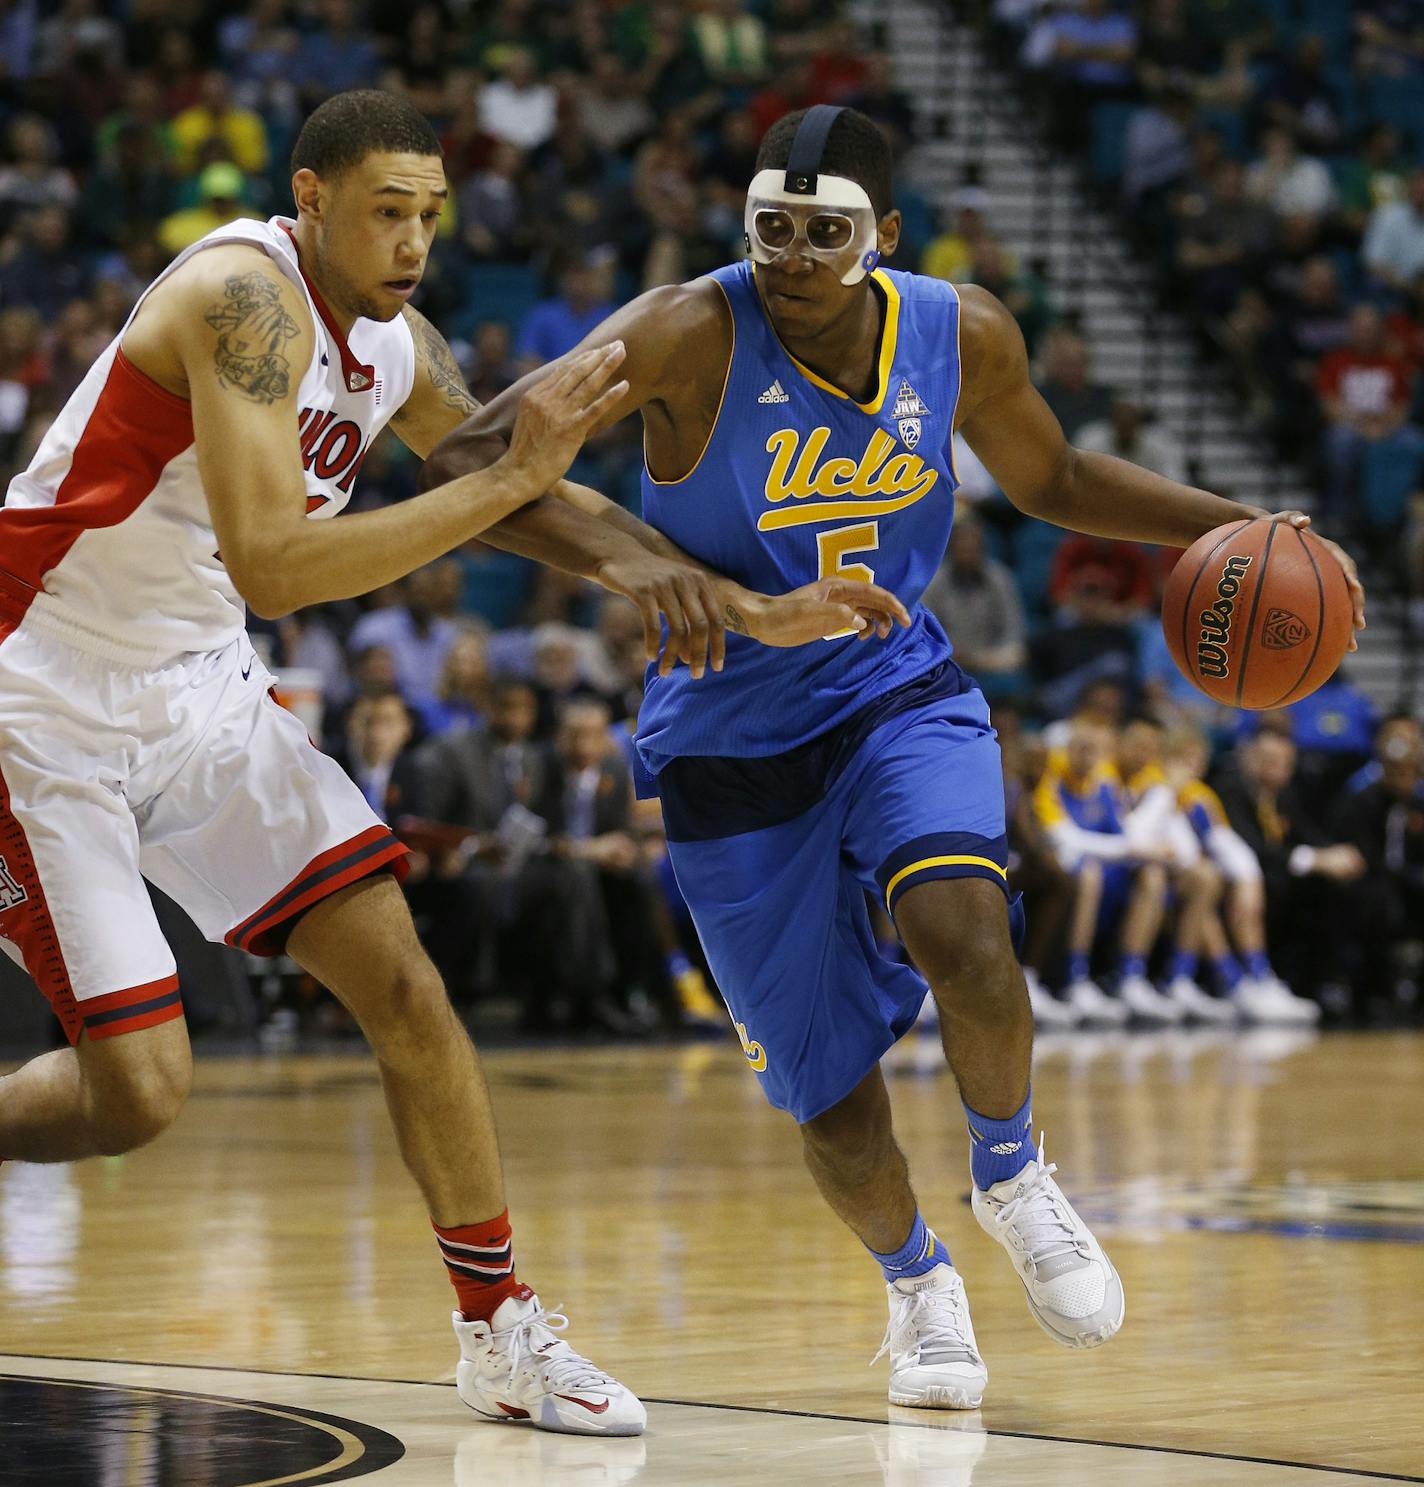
132	1111
1152	879
974	965
408	1006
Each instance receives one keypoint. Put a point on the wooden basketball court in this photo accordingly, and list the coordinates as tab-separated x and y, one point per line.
256	1298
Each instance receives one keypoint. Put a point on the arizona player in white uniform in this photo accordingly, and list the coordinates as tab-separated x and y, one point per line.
137	736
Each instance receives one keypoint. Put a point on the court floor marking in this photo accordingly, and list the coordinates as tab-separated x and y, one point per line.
757	1409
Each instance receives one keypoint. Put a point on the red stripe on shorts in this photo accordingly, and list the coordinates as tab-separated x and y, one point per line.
338	867
133	1008
25	919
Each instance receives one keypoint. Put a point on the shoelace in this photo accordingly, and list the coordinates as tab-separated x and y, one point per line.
917	1309
564	1368
1041	1223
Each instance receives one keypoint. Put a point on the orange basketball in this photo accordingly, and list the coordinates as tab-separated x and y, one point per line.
1257	614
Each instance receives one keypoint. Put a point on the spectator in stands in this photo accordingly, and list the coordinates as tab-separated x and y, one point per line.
131	185
492	207
377	757
1301	99
31	178
1314	322
950	254
1173	56
977	601
216	116
337	55
1389	38
1394	236
1223	239
38	266
791	87
1405	327
612	113
491	367
1364	393
1128	434
580	197
417	632
1157	153
1019	290
878	98
557	325
462	694
731	42
1296	855
1065	384
1091	642
838	66
222	189
1370	177
1385	823
1291	184
1091	53
670	73
1129	573
421	67
257	46
519	106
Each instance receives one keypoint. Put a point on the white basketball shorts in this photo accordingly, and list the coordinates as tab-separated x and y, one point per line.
190	775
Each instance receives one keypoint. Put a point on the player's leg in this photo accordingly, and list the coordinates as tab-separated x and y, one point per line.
75	913
338	912
1083	994
1260	994
99	1098
928	786
1198	890
1141	924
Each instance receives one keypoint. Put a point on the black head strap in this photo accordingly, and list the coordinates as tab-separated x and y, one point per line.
804	161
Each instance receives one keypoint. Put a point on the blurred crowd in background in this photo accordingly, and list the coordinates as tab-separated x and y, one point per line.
1266	155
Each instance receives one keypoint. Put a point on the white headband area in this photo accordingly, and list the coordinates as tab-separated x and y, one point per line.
832	193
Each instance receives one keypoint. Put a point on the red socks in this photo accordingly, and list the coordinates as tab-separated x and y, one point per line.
480	1259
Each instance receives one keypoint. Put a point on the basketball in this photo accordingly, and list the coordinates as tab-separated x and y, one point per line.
1257	613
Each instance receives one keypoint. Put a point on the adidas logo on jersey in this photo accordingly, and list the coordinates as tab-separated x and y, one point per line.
775	394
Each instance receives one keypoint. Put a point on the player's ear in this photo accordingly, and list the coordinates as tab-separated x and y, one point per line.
309	194
887	232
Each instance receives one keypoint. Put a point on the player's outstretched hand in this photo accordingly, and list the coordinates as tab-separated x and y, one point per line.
683	595
557	414
830	606
1299	519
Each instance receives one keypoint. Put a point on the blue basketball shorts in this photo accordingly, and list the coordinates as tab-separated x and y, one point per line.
775	857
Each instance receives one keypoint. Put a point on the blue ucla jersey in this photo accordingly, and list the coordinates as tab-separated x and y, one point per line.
799	482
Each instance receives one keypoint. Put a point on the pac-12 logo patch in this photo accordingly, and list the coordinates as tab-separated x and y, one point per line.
1283	629
909	410
12	893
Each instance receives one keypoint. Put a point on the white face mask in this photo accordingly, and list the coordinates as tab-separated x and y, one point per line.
835	224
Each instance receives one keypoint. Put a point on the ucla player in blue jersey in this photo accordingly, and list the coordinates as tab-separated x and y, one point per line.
798	411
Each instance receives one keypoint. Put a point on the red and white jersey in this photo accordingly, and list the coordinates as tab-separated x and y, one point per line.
107	539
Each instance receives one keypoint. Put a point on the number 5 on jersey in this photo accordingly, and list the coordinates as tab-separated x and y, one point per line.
837	545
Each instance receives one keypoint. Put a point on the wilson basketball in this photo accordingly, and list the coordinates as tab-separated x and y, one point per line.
1257	614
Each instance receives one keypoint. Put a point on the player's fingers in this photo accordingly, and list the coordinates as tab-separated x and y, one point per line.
870	598
675	648
651	617
1295	519
603	404
716	622
698	633
596	365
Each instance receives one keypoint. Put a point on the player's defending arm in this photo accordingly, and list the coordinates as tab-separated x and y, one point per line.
243	337
1013	431
678	341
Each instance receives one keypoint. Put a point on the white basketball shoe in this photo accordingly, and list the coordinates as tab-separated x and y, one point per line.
1197	1005
934	1360
1094	1005
1048	1012
516	1367
1073	1291
1269	1000
1145	1002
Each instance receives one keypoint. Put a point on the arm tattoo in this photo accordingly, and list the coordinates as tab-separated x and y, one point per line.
253	327
735	620
441	366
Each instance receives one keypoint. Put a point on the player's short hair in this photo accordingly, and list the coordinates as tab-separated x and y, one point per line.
855	148
365	121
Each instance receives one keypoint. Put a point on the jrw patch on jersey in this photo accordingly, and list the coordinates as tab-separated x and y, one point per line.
909	410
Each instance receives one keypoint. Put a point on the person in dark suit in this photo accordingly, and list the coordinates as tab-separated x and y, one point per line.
1300	861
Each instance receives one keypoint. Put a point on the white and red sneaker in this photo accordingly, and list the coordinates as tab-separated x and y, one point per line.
516	1367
